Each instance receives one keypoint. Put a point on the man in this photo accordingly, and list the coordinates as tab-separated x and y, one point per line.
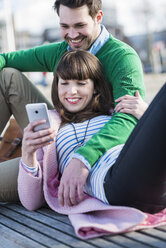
80	24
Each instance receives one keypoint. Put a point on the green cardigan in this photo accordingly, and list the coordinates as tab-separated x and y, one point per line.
123	71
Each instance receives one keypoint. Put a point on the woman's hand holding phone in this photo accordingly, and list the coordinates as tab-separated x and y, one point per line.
37	134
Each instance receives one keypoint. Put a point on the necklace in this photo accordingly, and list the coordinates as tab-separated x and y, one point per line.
80	143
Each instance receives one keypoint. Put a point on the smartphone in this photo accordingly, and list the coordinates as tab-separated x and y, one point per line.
38	111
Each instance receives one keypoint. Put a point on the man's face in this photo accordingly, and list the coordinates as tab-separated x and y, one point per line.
78	28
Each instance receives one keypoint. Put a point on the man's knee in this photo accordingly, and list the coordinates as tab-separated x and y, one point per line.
11	79
8	74
9	70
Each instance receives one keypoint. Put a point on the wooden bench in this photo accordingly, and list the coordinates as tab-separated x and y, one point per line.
45	228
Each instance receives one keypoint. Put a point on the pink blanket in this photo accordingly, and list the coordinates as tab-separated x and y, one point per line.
114	221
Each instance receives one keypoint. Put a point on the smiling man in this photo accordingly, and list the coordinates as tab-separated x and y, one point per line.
78	28
81	28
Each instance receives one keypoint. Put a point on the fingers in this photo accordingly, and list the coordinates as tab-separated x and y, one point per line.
125	97
127	111
41	133
33	124
72	183
61	194
67	195
72	196
68	192
40	137
80	192
137	94
35	140
126	105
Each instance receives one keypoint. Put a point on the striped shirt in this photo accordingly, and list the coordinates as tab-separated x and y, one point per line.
67	144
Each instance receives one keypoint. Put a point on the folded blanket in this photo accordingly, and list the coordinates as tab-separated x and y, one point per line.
114	221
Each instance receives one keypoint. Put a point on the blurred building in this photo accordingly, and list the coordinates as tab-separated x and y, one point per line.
157	61
3	37
51	35
3	34
7	25
155	43
110	21
25	39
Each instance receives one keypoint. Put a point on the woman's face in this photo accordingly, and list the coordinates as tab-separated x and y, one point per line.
75	95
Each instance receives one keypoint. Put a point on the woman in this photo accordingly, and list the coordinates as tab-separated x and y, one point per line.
82	98
8	181
114	179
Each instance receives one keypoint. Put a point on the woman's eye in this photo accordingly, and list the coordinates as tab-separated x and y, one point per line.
81	83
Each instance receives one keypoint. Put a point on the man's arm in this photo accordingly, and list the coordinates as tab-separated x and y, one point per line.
124	71
41	58
2	62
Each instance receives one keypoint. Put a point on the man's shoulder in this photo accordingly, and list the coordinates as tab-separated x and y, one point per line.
114	44
115	50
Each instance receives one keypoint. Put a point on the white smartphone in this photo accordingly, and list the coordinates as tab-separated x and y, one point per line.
38	111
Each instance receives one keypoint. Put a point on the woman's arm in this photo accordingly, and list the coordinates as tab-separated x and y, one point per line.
32	141
133	105
30	188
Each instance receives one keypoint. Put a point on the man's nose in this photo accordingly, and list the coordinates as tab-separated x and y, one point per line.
72	33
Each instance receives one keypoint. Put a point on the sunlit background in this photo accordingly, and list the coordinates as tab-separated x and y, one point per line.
140	23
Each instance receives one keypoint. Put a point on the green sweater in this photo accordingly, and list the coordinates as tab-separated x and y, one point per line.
123	71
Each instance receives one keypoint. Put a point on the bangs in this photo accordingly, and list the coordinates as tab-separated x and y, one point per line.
74	67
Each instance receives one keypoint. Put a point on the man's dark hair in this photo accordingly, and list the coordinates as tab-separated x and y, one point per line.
93	5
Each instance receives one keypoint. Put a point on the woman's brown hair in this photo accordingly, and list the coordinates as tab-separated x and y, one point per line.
81	65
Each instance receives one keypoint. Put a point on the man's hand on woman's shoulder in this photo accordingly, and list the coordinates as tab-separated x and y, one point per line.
133	105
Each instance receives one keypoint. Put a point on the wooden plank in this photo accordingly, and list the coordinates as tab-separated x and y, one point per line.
102	242
126	242
51	220
4	242
44	219
98	242
44	210
12	239
54	215
30	233
159	234
57	229
45	229
59	224
162	228
146	239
